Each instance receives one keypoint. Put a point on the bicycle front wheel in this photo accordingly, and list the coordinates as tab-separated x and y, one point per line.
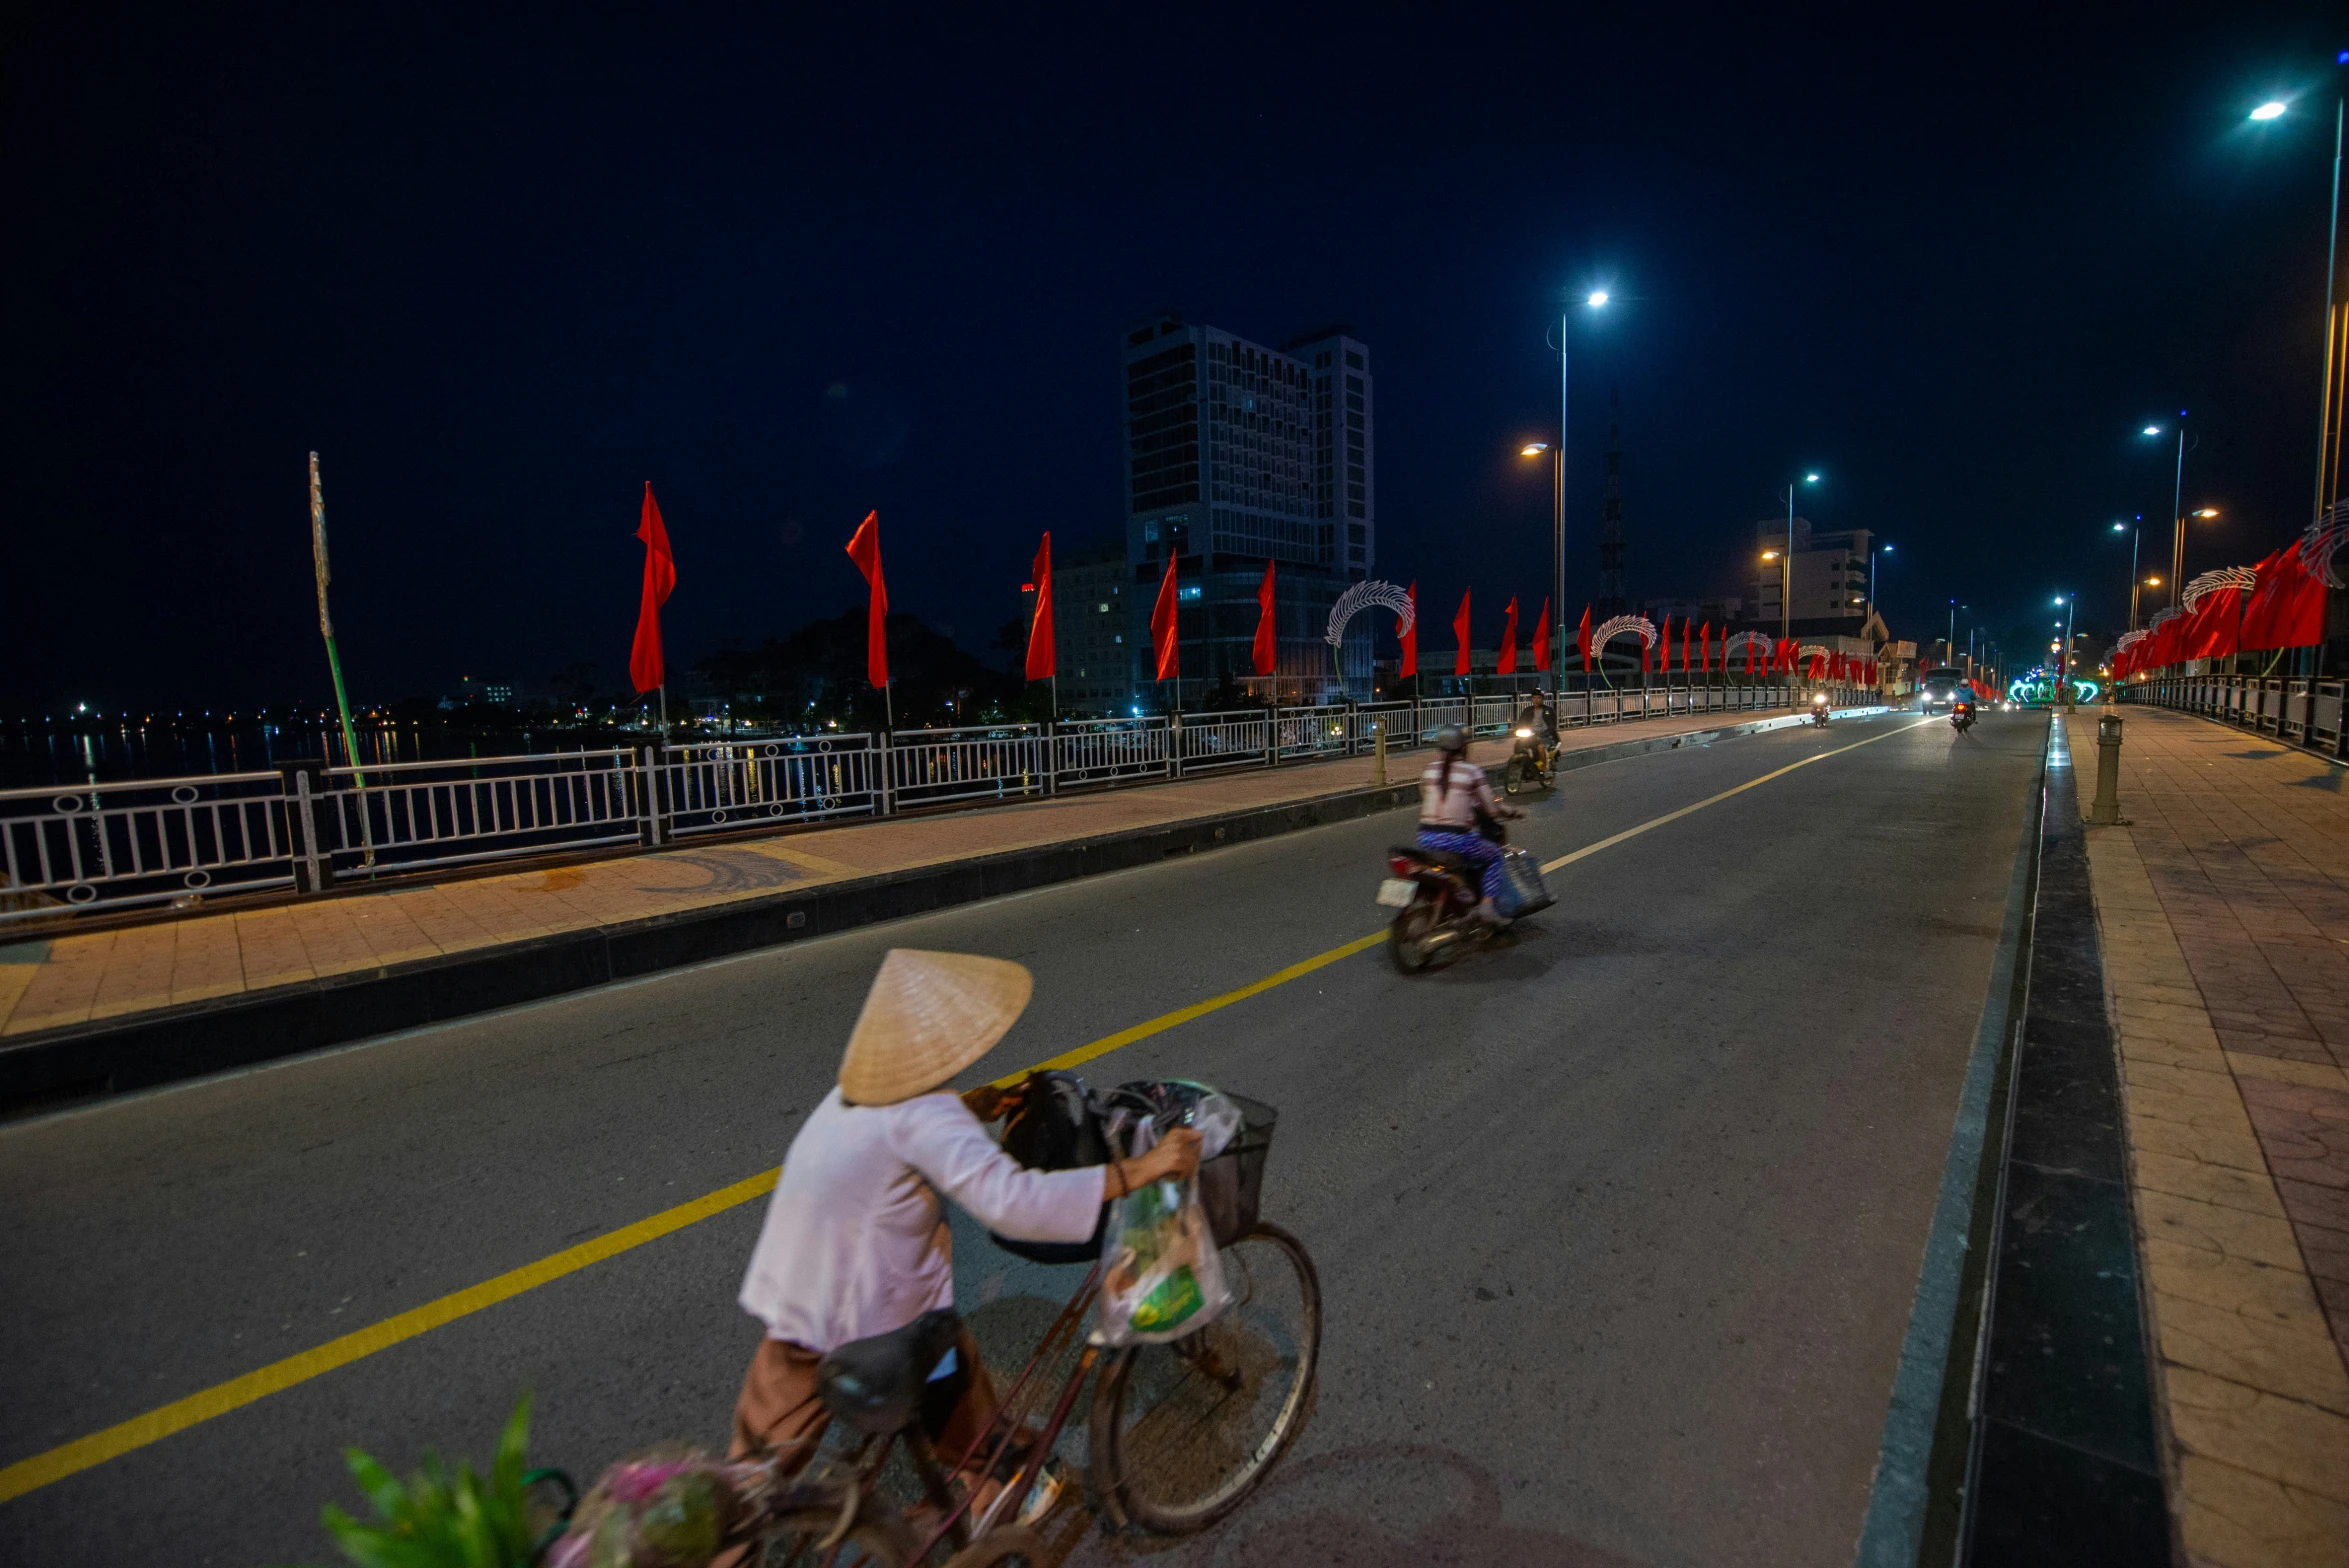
1182	1432
795	1540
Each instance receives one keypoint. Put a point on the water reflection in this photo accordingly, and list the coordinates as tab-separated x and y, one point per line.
38	756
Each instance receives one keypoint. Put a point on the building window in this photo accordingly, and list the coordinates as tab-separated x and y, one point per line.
1353	359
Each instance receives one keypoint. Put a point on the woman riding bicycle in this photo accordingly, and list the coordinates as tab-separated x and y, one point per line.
1453	794
855	1242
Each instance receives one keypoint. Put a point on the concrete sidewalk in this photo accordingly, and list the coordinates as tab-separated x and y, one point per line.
2223	907
73	982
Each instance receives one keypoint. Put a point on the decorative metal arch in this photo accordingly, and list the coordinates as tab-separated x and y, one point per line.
1363	596
1742	641
2160	616
1607	631
2324	536
2129	640
2216	582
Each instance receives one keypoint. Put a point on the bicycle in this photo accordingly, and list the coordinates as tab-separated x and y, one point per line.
1179	1434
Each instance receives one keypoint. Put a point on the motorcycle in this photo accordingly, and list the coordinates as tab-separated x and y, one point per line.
1961	715
1532	765
1819	709
1434	894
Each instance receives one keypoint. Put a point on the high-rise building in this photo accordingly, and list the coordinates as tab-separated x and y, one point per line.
1236	455
1089	630
1829	574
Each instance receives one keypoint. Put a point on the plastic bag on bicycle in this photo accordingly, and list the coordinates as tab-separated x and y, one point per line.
1161	1277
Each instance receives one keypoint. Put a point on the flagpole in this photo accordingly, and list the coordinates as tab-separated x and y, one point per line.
334	662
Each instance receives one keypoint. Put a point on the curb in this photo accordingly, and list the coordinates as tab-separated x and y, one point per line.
54	1068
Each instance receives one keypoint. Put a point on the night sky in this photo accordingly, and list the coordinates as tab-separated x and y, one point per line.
501	271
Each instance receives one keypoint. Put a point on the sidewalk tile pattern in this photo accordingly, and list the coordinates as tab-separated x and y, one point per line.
2224	914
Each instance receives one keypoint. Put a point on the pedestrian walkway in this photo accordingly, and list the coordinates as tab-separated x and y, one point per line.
107	975
2223	908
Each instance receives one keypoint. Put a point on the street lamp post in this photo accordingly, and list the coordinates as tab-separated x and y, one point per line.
2329	400
1596	299
2063	658
1872	551
1786	570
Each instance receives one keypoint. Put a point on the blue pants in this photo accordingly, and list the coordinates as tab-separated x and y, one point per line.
1478	851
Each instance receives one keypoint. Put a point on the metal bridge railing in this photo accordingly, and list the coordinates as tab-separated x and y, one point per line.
726	786
153	841
972	762
1240	739
127	845
413	816
2301	711
1103	751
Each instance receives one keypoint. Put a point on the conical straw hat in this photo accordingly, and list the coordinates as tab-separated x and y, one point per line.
928	1016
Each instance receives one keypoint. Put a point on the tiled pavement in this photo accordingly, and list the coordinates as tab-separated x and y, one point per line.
2224	914
75	979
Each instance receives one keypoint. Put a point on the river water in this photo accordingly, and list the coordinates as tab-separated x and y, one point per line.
38	756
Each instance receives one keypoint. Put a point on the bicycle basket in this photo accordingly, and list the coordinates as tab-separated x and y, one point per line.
1231	1183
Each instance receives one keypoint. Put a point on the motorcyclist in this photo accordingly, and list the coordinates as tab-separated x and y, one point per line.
1453	794
1536	717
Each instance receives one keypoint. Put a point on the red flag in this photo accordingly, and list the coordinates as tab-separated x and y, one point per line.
1818	665
1582	640
1541	638
2287	605
1835	665
1663	648
1162	626
865	551
1460	635
1684	645
1705	647
1507	664
1041	660
1749	658
1266	657
1408	666
660	577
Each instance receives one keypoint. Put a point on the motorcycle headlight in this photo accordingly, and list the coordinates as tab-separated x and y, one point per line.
1525	734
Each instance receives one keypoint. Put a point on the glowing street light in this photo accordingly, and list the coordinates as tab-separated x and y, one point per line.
1786	568
1595	300
2208	511
2268	111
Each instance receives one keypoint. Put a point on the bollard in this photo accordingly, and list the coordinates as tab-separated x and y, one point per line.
1379	731
2107	809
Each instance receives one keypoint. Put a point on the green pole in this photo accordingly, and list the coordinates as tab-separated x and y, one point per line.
334	663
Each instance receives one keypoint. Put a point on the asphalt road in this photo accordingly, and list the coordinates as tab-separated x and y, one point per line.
1618	1224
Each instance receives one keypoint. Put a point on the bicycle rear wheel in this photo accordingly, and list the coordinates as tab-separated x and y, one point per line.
1182	1432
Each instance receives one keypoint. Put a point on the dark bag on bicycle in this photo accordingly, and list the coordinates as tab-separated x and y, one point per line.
1056	1128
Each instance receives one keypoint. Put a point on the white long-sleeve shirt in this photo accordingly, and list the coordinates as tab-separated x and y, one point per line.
852	1244
1454	809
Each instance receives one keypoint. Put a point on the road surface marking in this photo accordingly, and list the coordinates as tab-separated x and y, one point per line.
1714	800
113	1442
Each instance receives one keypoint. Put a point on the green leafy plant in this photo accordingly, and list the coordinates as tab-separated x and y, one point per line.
440	1519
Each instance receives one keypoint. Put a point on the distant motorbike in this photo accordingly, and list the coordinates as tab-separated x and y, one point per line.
1532	765
1961	715
1819	709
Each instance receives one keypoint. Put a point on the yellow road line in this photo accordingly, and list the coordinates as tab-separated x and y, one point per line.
1715	800
84	1452
221	1398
